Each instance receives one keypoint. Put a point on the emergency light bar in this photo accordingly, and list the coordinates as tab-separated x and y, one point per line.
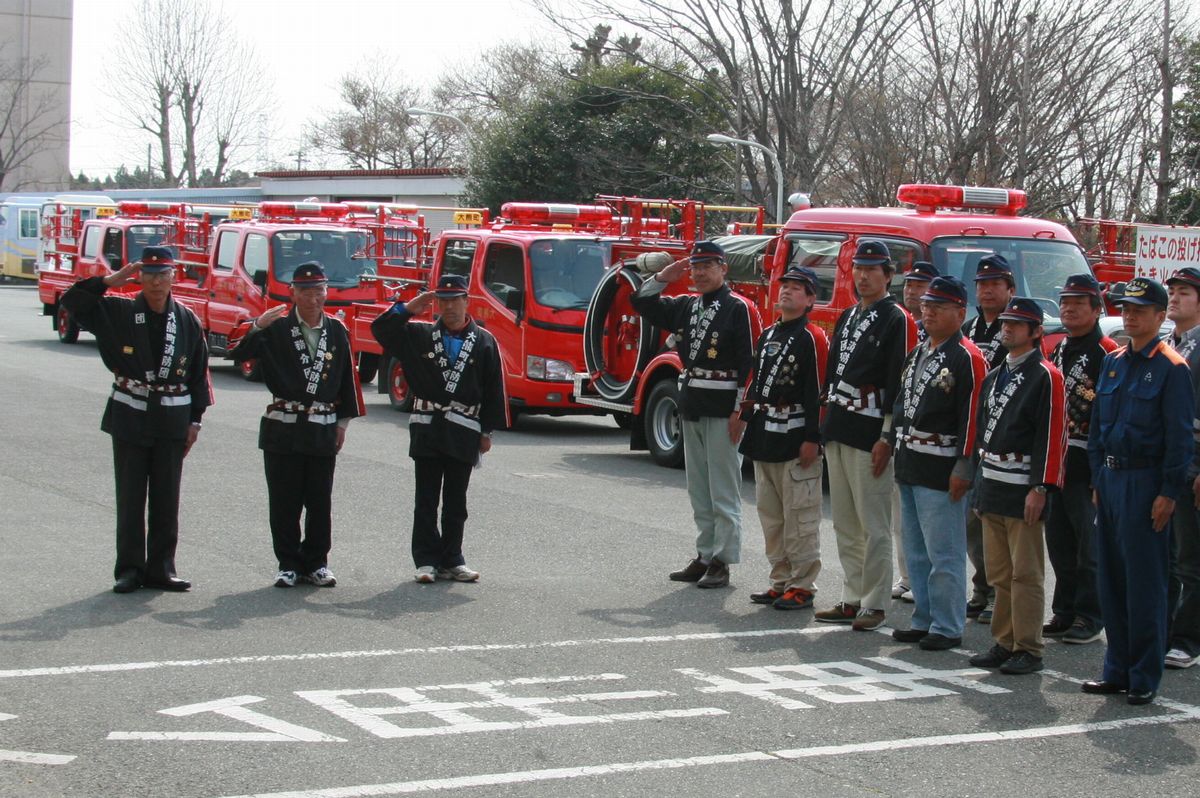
283	210
928	198
130	208
545	213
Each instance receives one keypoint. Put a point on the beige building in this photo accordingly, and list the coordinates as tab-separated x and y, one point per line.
35	69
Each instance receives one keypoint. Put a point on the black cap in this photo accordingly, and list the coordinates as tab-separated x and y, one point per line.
994	267
801	274
1142	291
1022	308
157	259
1080	285
872	253
946	288
706	250
309	274
1188	275
922	270
450	286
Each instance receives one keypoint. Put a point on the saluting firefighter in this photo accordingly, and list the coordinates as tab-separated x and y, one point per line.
1070	514
454	373
782	410
308	367
1022	449
156	351
994	289
717	329
1140	449
862	380
934	439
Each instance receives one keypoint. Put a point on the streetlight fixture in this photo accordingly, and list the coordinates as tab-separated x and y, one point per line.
719	138
426	112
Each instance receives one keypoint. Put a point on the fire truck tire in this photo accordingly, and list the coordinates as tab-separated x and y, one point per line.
250	370
664	436
611	327
368	366
398	393
68	330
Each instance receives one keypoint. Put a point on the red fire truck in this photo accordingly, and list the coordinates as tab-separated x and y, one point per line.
632	368
532	273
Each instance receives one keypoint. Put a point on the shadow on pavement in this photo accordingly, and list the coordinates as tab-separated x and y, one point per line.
103	609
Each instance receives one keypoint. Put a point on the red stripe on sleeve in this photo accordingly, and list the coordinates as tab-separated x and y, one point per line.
1054	469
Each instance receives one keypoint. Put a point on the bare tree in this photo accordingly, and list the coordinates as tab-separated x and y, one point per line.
30	119
180	75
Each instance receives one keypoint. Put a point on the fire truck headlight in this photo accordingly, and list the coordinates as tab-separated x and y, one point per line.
544	368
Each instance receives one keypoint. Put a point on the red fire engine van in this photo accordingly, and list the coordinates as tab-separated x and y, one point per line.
532	273
632	368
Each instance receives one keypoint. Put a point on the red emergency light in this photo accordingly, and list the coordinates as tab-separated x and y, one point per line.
547	213
140	208
928	198
285	210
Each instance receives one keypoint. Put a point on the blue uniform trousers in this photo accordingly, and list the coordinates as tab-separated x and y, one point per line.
1132	561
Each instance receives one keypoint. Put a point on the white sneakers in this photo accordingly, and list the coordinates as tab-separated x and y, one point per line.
426	574
899	589
322	577
1178	658
285	579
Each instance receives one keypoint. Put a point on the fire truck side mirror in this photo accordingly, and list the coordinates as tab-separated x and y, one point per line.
259	279
514	300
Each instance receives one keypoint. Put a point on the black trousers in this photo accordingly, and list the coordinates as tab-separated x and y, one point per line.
147	477
1070	542
447	480
1183	589
297	482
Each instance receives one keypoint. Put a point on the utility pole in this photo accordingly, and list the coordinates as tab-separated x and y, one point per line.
1023	130
1166	137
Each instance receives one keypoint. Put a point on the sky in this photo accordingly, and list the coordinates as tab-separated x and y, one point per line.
305	46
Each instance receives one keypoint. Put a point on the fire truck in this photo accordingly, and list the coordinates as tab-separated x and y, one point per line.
533	272
632	368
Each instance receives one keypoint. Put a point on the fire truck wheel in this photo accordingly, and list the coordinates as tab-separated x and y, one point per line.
617	344
68	330
664	438
368	366
398	393
624	420
250	370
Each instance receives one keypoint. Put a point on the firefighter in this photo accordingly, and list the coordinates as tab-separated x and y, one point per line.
1070	514
1022	442
782	409
717	330
156	351
862	378
994	288
1139	451
455	376
308	366
934	441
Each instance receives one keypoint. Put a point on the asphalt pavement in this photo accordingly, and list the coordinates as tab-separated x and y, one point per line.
572	668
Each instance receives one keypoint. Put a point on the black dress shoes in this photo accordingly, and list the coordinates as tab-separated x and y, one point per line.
690	572
937	642
909	635
1101	687
126	583
1139	697
172	583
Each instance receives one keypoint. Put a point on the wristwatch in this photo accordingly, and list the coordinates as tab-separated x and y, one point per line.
1039	489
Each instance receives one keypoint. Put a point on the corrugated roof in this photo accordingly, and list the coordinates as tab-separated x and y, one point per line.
311	173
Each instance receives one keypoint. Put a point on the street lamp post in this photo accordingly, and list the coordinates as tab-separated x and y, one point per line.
426	112
718	138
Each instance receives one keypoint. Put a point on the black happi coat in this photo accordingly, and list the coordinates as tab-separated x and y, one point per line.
722	341
935	414
987	338
471	389
1080	360
782	406
1032	423
300	380
180	390
865	358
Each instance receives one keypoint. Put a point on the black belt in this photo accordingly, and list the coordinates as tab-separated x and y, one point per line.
1125	463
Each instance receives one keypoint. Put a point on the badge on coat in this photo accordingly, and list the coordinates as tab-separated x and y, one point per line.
127	350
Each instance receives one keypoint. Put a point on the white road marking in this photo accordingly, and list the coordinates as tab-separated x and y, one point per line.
29	757
276	730
616	768
119	667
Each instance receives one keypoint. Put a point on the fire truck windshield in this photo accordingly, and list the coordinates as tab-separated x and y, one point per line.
340	253
146	235
566	271
1040	266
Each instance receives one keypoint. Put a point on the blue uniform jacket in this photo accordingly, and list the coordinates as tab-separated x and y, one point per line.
1143	412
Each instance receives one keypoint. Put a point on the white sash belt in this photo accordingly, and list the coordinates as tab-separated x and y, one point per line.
713	385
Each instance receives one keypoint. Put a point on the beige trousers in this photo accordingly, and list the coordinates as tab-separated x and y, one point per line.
1015	556
789	509
862	523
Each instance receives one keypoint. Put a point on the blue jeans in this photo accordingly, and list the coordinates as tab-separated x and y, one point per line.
934	531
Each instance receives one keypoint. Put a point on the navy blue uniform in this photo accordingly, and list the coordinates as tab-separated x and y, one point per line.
1139	449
